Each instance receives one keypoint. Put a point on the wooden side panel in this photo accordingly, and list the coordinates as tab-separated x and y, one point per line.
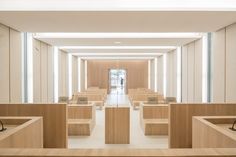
180	120
117	125
54	120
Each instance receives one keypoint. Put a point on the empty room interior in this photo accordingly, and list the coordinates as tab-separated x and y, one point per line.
117	78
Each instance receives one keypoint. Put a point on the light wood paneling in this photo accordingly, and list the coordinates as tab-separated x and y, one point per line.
180	122
213	132
119	152
137	72
22	132
117	125
54	120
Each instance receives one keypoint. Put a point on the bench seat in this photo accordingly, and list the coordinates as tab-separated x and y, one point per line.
80	127
155	126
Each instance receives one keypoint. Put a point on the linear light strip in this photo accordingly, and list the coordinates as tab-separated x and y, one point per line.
116	54
117	47
117	35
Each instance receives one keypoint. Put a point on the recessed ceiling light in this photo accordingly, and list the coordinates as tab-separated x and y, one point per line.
117	42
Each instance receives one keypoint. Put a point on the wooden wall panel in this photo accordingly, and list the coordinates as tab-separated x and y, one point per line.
137	72
54	120
180	120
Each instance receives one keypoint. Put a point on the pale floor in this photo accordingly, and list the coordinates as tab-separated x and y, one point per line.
137	138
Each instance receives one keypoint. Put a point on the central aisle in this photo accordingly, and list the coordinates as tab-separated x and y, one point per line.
137	138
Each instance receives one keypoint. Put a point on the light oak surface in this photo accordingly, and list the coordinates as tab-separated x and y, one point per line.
54	120
22	132
117	125
214	132
180	122
119	152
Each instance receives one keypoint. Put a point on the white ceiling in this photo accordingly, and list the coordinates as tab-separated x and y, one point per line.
117	21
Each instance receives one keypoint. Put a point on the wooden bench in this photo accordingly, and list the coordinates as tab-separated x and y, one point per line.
154	119
80	127
137	99
81	119
155	126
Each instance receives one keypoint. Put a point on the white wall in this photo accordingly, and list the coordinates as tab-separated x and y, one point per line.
63	76
10	65
82	75
74	74
42	72
224	65
192	72
171	74
160	75
152	74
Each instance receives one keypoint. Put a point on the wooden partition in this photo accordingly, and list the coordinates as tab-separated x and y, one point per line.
180	121
118	152
54	120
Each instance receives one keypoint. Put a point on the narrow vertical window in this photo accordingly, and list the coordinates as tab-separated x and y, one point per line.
70	75
155	74
55	73
164	75
204	68
179	74
149	73
79	74
30	91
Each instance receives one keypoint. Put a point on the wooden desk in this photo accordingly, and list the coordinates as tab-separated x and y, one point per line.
22	132
117	125
214	132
